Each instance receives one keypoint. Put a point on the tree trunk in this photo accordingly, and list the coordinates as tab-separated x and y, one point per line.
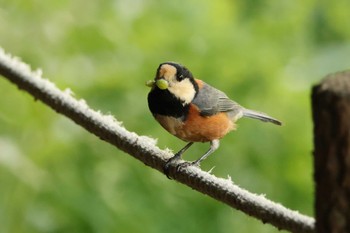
331	116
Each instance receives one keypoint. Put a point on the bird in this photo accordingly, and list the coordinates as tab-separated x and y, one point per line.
193	110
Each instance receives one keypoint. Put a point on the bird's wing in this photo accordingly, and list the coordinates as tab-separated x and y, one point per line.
211	101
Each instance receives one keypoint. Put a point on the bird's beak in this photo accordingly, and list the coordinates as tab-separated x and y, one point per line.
162	84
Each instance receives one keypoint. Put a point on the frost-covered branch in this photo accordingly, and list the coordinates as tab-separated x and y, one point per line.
144	149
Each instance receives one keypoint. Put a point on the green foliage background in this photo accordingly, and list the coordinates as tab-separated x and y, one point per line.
266	55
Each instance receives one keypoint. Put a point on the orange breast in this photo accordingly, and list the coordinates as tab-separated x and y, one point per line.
203	129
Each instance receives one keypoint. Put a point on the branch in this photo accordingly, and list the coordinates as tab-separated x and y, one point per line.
143	148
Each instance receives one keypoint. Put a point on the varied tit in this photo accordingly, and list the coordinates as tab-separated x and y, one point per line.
194	111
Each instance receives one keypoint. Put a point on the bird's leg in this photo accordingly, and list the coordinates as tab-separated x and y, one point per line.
214	145
177	156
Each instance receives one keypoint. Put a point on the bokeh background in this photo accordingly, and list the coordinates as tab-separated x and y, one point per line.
266	55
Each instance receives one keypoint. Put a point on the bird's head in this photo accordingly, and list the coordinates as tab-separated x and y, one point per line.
176	79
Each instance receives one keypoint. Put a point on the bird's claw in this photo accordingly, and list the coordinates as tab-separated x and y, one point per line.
166	169
186	164
180	166
167	166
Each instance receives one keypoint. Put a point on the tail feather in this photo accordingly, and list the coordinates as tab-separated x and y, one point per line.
260	116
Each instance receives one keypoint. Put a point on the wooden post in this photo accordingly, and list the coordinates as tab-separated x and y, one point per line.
331	116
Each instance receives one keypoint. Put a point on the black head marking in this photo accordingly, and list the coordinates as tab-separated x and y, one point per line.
181	73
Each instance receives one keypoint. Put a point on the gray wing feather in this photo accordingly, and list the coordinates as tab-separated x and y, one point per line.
211	101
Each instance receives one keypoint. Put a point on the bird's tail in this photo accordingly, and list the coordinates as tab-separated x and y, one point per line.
260	116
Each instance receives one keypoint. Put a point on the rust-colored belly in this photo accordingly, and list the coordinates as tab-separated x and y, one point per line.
197	128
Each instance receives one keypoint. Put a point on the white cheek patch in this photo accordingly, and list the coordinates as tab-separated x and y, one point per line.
183	90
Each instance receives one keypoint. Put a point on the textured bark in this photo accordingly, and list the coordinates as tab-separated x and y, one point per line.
331	115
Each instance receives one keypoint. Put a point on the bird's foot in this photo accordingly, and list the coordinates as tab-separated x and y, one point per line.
187	164
180	166
167	166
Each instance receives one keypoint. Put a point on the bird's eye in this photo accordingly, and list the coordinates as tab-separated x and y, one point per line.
180	77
